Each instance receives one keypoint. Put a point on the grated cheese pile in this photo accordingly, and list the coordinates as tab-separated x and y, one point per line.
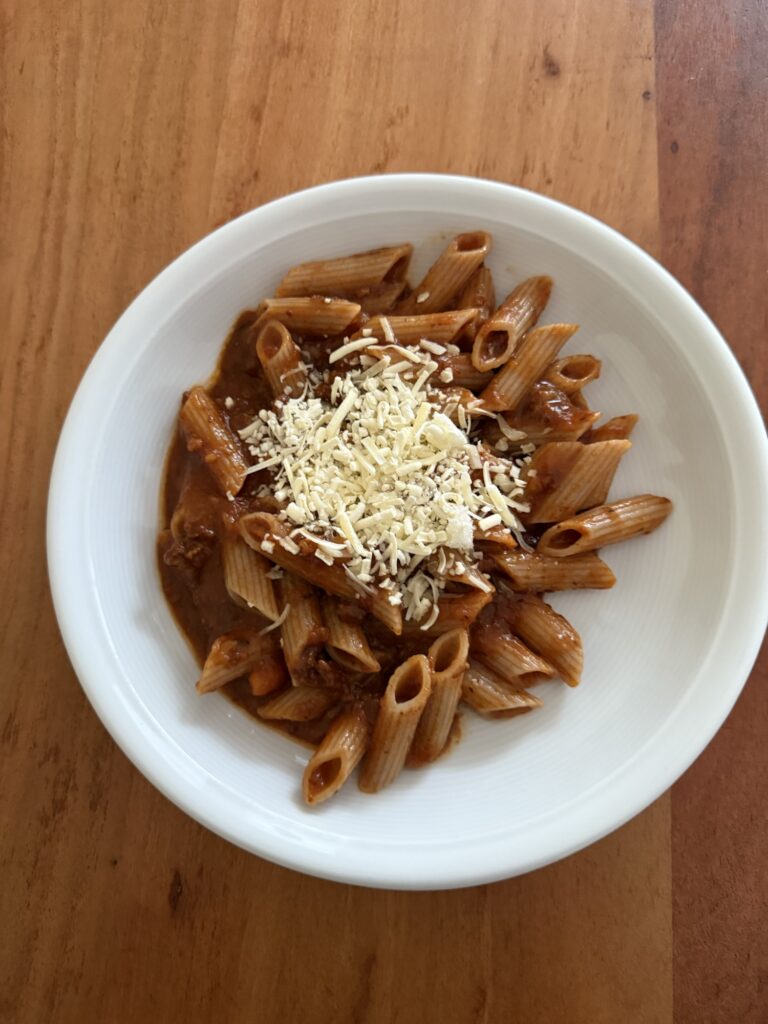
380	478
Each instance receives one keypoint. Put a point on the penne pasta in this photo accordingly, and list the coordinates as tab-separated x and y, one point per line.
455	611
208	433
617	429
489	695
566	477
270	673
546	414
309	315
444	328
231	656
447	659
420	457
339	753
479	293
498	338
265	533
280	358
549	634
299	704
400	709
246	577
448	274
606	524
507	656
530	571
380	299
347	643
572	373
303	632
346	276
534	354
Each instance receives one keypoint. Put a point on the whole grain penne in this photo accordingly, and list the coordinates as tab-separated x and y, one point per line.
489	695
506	655
347	643
462	373
447	658
565	477
246	577
309	315
533	355
459	404
498	338
337	756
530	571
281	361
448	274
271	672
455	611
265	533
299	704
443	328
381	298
303	630
572	373
479	293
617	429
606	524
546	414
549	634
208	433
345	276
232	655
400	709
470	576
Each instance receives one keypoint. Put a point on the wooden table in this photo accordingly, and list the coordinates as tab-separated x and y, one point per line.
129	130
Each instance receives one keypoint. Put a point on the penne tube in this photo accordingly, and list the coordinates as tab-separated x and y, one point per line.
246	579
266	534
299	704
400	709
499	535
303	632
462	373
281	361
447	659
380	299
530	571
459	404
566	477
471	576
347	643
479	293
617	429
233	655
271	672
337	756
309	315
345	276
546	414
572	373
455	611
533	355
606	524
489	695
549	634
498	338
448	274
443	328
507	656
208	433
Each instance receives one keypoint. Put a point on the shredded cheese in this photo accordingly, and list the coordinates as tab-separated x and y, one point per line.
380	478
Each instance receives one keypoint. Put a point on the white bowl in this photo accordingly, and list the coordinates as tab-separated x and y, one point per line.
667	651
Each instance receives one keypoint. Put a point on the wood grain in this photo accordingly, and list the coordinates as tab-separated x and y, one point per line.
128	131
713	154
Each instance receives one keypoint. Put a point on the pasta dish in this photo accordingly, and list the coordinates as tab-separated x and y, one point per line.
367	504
